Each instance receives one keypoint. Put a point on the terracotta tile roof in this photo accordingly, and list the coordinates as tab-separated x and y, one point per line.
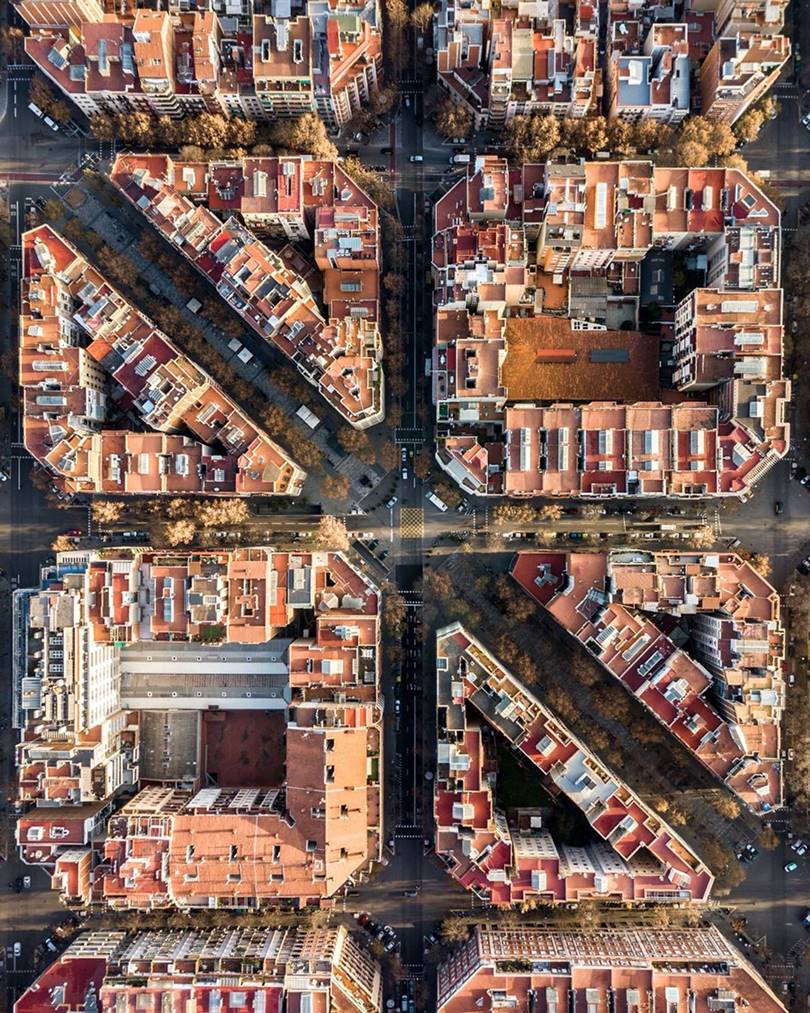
547	359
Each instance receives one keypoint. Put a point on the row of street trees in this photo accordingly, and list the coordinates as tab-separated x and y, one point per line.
212	135
698	141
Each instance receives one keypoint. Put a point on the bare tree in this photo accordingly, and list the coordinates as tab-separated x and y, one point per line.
223	513
331	534
107	511
452	119
335	487
422	16
180	532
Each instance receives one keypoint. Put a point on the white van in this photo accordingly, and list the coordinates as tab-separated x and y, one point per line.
308	416
434	499
36	110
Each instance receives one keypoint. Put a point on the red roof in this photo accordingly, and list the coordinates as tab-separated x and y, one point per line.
73	976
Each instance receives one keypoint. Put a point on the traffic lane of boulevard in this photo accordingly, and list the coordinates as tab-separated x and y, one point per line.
784	537
782	148
26	918
27	141
774	901
384	898
29	524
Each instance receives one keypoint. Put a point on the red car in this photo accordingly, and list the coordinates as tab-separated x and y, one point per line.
75	533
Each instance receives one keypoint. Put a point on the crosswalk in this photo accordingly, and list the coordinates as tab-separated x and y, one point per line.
403	435
408	832
412	522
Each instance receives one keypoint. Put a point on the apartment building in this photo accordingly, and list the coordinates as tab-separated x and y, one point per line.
523	61
722	694
537	279
633	856
348	68
652	80
739	71
296	59
83	350
55	14
733	342
255	968
766	17
634	969
169	670
526	58
334	340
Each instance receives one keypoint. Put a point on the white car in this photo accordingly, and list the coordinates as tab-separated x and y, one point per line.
417	158
18	949
26	882
49	122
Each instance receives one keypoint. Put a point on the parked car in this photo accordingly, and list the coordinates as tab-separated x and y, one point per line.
26	882
778	507
18	949
391	503
791	867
